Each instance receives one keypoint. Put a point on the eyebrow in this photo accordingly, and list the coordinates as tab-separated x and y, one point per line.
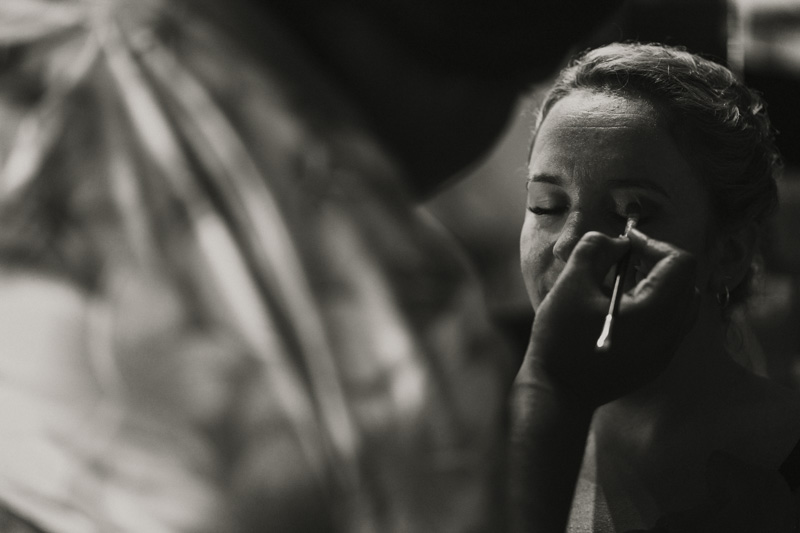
547	178
620	183
640	184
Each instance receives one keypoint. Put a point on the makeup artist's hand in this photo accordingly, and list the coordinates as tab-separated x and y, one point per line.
653	318
563	379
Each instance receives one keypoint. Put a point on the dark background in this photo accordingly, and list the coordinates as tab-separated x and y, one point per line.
760	41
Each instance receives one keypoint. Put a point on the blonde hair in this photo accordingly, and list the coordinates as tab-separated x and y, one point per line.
721	125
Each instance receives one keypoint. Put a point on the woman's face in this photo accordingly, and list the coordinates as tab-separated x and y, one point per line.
594	153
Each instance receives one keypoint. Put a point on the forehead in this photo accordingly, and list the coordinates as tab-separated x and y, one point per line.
589	138
597	114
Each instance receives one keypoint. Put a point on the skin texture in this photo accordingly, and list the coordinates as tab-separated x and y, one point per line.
593	155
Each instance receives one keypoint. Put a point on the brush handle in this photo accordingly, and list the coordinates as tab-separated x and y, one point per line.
604	340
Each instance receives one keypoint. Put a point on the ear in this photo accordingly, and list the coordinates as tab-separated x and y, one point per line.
736	250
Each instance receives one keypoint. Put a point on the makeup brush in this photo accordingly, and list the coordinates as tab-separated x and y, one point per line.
632	211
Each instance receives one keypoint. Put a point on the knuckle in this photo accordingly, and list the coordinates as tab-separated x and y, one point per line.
685	260
593	239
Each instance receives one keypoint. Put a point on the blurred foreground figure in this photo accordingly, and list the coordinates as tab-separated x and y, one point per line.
219	309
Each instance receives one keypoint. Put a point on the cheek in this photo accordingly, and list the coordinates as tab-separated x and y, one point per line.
535	256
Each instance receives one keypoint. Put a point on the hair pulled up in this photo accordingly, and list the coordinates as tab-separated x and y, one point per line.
720	125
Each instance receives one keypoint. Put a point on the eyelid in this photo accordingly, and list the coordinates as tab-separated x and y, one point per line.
546	190
644	203
547	204
544	211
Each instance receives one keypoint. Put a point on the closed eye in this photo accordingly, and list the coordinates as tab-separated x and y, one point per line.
546	210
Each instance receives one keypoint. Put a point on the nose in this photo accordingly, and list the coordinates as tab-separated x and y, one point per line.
573	229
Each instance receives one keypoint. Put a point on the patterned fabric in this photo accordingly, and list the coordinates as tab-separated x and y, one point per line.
11	523
219	310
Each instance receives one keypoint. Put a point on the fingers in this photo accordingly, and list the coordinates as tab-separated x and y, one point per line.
651	249
673	270
669	286
597	253
654	322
